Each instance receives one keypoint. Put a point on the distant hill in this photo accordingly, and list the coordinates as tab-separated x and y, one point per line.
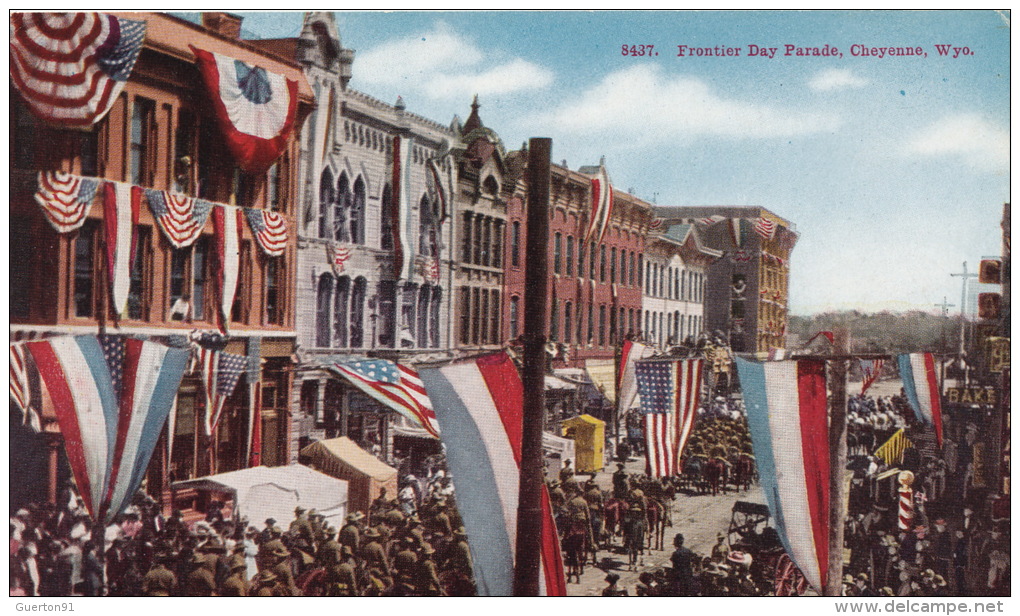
882	332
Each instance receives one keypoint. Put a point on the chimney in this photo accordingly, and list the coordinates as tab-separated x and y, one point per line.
227	24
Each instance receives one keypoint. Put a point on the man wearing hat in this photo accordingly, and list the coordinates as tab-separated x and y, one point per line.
460	555
719	550
373	553
620	483
441	523
682	574
611	590
343	575
427	574
267	532
350	534
302	527
236	584
200	581
266	584
159	581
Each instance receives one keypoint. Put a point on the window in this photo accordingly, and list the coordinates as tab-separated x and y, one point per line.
323	303
274	299
387	313
557	257
496	312
88	151
612	265
357	213
602	263
591	323
139	295
569	258
465	315
325	203
386	219
591	260
86	246
424	303
568	323
515	244
426	228
640	268
408	302
178	285
437	300
357	339
683	325
340	306
486	242
199	271
273	187
612	325
142	124
497	244
580	258
476	242
239	311
341	208
602	325
486	320
630	271
515	308
466	245
579	334
23	137
554	321
475	314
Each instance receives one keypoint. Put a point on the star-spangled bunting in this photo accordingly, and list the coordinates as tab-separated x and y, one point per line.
269	229
180	217
71	67
220	374
870	369
66	199
395	385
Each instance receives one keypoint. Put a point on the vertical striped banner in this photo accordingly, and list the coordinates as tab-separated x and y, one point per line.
920	383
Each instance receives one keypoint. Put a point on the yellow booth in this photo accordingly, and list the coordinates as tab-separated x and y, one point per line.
589	436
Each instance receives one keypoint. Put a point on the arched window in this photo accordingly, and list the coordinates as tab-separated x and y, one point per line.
323	303
569	258
386	219
357	331
436	299
325	203
568	322
408	302
515	308
422	328
515	245
490	186
557	256
612	265
357	213
387	319
341	208
426	228
340	307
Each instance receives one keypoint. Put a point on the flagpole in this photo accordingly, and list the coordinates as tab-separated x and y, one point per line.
529	509
837	460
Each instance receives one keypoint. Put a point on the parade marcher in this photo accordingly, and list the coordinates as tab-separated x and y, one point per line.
719	550
159	581
373	554
612	590
350	534
236	584
266	584
620	483
681	575
566	473
427	574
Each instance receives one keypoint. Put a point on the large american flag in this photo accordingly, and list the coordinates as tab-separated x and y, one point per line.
870	368
395	385
670	392
220	374
71	67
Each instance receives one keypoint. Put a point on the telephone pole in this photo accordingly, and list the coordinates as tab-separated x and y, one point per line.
945	306
963	304
837	459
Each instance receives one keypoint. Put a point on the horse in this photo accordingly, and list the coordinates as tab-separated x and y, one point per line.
715	475
658	519
693	473
614	512
744	471
575	547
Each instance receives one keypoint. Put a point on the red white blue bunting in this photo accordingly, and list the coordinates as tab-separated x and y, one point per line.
66	199
227	228
269	229
70	67
180	217
255	108
121	209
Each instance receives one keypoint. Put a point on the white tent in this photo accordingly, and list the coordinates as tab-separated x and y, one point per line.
274	491
557	448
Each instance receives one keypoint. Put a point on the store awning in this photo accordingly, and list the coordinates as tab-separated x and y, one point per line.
274	491
555	383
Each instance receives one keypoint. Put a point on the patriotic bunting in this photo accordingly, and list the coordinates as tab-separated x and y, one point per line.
220	373
479	404
269	229
656	224
870	369
112	396
180	217
429	270
401	206
254	108
670	394
765	228
601	206
917	370
711	220
66	199
227	227
338	256
736	232
395	385
787	416
121	209
71	67
442	183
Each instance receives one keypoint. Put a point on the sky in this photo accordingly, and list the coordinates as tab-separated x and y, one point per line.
893	169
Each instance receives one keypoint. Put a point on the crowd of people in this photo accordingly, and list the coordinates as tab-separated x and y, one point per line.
410	544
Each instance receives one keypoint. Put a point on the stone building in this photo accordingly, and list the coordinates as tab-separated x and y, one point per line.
747	290
161	133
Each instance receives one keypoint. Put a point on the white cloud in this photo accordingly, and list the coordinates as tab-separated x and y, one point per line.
643	104
980	143
836	79
442	64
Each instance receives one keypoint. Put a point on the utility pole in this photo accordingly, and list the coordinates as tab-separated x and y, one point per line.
837	459
945	306
527	563
963	304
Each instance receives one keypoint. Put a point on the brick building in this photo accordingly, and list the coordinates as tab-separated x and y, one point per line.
160	134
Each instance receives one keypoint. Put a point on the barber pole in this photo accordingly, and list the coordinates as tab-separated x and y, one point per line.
906	512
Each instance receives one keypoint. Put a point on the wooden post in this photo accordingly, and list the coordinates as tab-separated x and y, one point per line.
529	507
837	460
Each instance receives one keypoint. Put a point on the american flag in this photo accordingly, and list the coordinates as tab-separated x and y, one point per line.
670	392
430	270
765	228
66	199
71	67
220	374
269	229
656	224
870	368
395	385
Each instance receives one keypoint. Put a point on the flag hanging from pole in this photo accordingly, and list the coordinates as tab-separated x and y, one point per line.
227	228
71	67
254	108
111	395
920	383
66	199
121	209
395	385
788	419
601	206
220	374
870	369
670	394
479	404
